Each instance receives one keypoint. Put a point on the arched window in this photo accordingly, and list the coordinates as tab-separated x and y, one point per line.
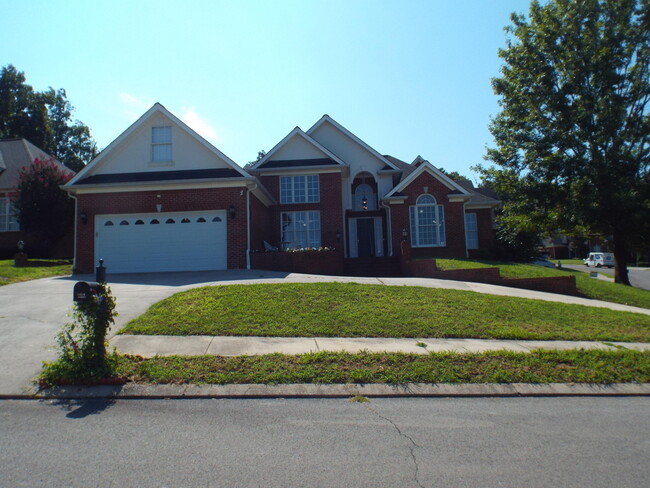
108	222
185	221
139	222
154	222
427	222
200	220
216	219
364	198
170	221
124	222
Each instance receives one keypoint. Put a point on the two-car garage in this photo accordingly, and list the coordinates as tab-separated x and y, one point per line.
152	242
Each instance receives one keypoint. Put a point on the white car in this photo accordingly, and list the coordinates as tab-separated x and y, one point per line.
599	259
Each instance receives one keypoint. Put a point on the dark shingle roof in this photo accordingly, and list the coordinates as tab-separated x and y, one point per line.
194	174
293	163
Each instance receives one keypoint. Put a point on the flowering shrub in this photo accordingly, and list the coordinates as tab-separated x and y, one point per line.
301	249
82	343
43	208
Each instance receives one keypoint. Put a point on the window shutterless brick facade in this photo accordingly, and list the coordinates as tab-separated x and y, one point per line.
329	206
454	219
172	201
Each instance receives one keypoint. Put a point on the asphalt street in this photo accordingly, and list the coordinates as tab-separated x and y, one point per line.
639	277
514	442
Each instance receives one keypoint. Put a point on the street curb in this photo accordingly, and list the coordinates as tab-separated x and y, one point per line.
411	390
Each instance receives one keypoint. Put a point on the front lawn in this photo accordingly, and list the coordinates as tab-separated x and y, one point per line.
587	286
601	367
35	269
354	310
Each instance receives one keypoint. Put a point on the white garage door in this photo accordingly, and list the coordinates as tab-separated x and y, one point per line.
179	241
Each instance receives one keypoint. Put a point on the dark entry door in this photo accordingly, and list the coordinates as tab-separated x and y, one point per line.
365	238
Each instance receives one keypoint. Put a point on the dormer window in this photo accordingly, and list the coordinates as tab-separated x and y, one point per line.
161	144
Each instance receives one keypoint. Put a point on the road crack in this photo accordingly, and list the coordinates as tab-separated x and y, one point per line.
412	445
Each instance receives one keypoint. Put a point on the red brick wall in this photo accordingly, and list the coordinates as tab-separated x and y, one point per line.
330	207
486	233
260	224
454	219
172	201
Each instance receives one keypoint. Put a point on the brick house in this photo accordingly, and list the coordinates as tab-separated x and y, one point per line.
161	198
14	155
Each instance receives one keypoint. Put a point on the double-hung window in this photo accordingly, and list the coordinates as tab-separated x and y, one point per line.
8	216
161	144
299	189
300	230
471	231
427	223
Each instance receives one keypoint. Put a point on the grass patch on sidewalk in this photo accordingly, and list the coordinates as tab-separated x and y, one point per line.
355	310
601	367
35	269
587	286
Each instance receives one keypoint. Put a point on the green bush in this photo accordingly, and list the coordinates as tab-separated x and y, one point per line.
82	343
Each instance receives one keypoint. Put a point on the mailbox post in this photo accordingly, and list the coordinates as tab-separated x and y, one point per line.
83	291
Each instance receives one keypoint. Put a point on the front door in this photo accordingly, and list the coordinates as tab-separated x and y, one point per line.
366	238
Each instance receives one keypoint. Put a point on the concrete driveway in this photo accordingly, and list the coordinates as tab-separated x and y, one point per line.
32	313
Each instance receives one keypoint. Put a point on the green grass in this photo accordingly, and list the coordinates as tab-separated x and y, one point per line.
355	310
569	261
601	367
587	286
35	269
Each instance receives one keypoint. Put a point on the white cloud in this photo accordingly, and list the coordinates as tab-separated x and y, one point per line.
195	121
132	106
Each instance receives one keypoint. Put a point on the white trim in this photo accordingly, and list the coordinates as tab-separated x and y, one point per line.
157	185
436	173
295	132
301	170
327	118
91	167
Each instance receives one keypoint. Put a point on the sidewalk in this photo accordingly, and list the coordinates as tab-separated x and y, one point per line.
149	346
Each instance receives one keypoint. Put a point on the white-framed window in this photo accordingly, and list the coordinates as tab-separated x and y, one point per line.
299	189
471	231
8	216
364	198
161	143
427	223
300	230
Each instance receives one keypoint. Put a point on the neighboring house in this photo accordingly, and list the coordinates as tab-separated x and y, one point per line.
14	155
161	198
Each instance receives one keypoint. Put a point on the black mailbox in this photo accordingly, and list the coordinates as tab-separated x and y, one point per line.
83	291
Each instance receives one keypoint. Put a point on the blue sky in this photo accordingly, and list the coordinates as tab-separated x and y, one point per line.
407	77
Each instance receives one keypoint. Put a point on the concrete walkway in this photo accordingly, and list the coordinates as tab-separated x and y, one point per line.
149	346
32	313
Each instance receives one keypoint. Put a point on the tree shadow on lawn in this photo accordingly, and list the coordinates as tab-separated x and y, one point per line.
182	278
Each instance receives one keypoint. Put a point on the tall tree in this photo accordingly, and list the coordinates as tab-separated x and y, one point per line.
44	118
573	134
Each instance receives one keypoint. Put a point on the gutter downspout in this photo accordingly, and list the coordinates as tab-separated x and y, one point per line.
248	225
465	228
389	226
76	224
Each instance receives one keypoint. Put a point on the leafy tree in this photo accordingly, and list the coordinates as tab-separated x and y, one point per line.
44	210
573	135
454	175
43	118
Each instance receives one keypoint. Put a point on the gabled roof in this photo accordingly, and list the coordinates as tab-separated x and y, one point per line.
327	119
157	108
266	163
16	153
426	166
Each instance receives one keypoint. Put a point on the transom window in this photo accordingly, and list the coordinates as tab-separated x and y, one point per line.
471	231
8	216
300	230
161	143
299	189
427	222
